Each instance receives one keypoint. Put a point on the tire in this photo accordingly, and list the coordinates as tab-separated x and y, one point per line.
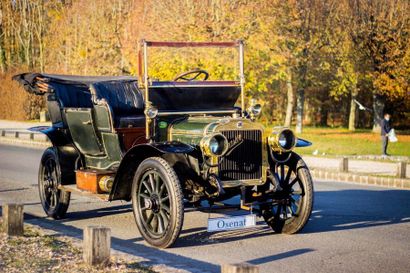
157	202
55	202
290	211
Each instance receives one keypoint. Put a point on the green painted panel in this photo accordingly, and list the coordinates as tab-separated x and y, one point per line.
102	118
81	125
113	153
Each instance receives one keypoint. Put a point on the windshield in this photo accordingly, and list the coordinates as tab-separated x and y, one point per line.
164	61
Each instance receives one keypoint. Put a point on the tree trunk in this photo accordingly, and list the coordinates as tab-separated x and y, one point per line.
291	100
352	113
378	108
300	100
3	63
324	111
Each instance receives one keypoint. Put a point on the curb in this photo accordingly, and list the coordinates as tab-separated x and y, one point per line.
378	158
390	182
391	158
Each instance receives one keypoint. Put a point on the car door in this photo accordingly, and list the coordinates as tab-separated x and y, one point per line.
83	132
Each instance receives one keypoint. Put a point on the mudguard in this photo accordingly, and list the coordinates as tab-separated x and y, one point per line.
57	135
121	189
302	143
66	152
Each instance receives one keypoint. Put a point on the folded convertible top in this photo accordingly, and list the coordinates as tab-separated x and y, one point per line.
36	83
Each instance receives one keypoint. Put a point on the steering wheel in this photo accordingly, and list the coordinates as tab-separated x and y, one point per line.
196	73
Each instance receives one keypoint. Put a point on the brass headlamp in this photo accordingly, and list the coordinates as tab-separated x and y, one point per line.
282	139
255	109
214	145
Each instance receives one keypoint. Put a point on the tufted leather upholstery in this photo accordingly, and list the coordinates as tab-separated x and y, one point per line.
125	100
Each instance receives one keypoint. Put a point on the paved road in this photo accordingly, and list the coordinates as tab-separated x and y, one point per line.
353	228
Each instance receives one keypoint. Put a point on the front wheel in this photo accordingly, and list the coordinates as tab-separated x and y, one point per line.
291	207
157	202
55	202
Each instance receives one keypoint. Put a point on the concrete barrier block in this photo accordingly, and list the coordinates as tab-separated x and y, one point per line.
401	169
398	183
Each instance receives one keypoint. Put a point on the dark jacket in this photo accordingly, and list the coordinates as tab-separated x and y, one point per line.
385	124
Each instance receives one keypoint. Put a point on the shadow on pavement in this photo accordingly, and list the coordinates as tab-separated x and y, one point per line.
200	236
280	256
100	212
11	190
358	208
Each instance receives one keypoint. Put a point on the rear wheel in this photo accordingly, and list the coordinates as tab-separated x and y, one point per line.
157	202
55	202
290	210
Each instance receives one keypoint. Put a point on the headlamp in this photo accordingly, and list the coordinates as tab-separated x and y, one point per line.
214	145
151	111
282	140
255	109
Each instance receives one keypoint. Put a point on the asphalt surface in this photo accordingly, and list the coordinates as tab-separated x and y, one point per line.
353	228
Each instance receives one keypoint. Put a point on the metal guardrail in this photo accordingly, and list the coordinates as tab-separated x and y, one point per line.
22	134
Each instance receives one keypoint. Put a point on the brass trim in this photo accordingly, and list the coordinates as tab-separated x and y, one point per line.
204	144
217	125
273	139
242	75
194	85
238	183
246	126
208	112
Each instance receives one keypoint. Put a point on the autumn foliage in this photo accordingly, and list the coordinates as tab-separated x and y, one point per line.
306	60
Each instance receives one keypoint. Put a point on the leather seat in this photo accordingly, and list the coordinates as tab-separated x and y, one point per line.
131	121
125	101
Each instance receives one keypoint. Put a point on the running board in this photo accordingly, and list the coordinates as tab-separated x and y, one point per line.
73	189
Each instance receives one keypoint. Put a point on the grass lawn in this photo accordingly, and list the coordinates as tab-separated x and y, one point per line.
340	141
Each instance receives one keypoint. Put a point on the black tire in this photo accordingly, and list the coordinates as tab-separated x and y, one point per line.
290	211
55	202
157	202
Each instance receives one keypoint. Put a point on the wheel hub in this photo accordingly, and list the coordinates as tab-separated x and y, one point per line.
152	203
49	183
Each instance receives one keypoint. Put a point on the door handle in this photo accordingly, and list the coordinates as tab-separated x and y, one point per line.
88	122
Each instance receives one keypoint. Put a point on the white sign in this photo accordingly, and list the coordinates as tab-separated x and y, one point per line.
229	223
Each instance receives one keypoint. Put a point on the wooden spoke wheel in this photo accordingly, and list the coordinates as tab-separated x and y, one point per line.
157	202
55	202
291	207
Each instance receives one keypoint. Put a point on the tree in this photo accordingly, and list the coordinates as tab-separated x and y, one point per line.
380	33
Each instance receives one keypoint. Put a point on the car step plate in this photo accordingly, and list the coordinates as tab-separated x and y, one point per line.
230	223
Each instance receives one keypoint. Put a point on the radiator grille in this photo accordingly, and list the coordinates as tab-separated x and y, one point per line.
245	161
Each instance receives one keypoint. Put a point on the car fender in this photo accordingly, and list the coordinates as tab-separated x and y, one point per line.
121	189
67	155
57	135
300	142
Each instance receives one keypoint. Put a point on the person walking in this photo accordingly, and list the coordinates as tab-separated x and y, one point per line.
385	124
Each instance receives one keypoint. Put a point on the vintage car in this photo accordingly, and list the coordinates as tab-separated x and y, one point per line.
168	145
